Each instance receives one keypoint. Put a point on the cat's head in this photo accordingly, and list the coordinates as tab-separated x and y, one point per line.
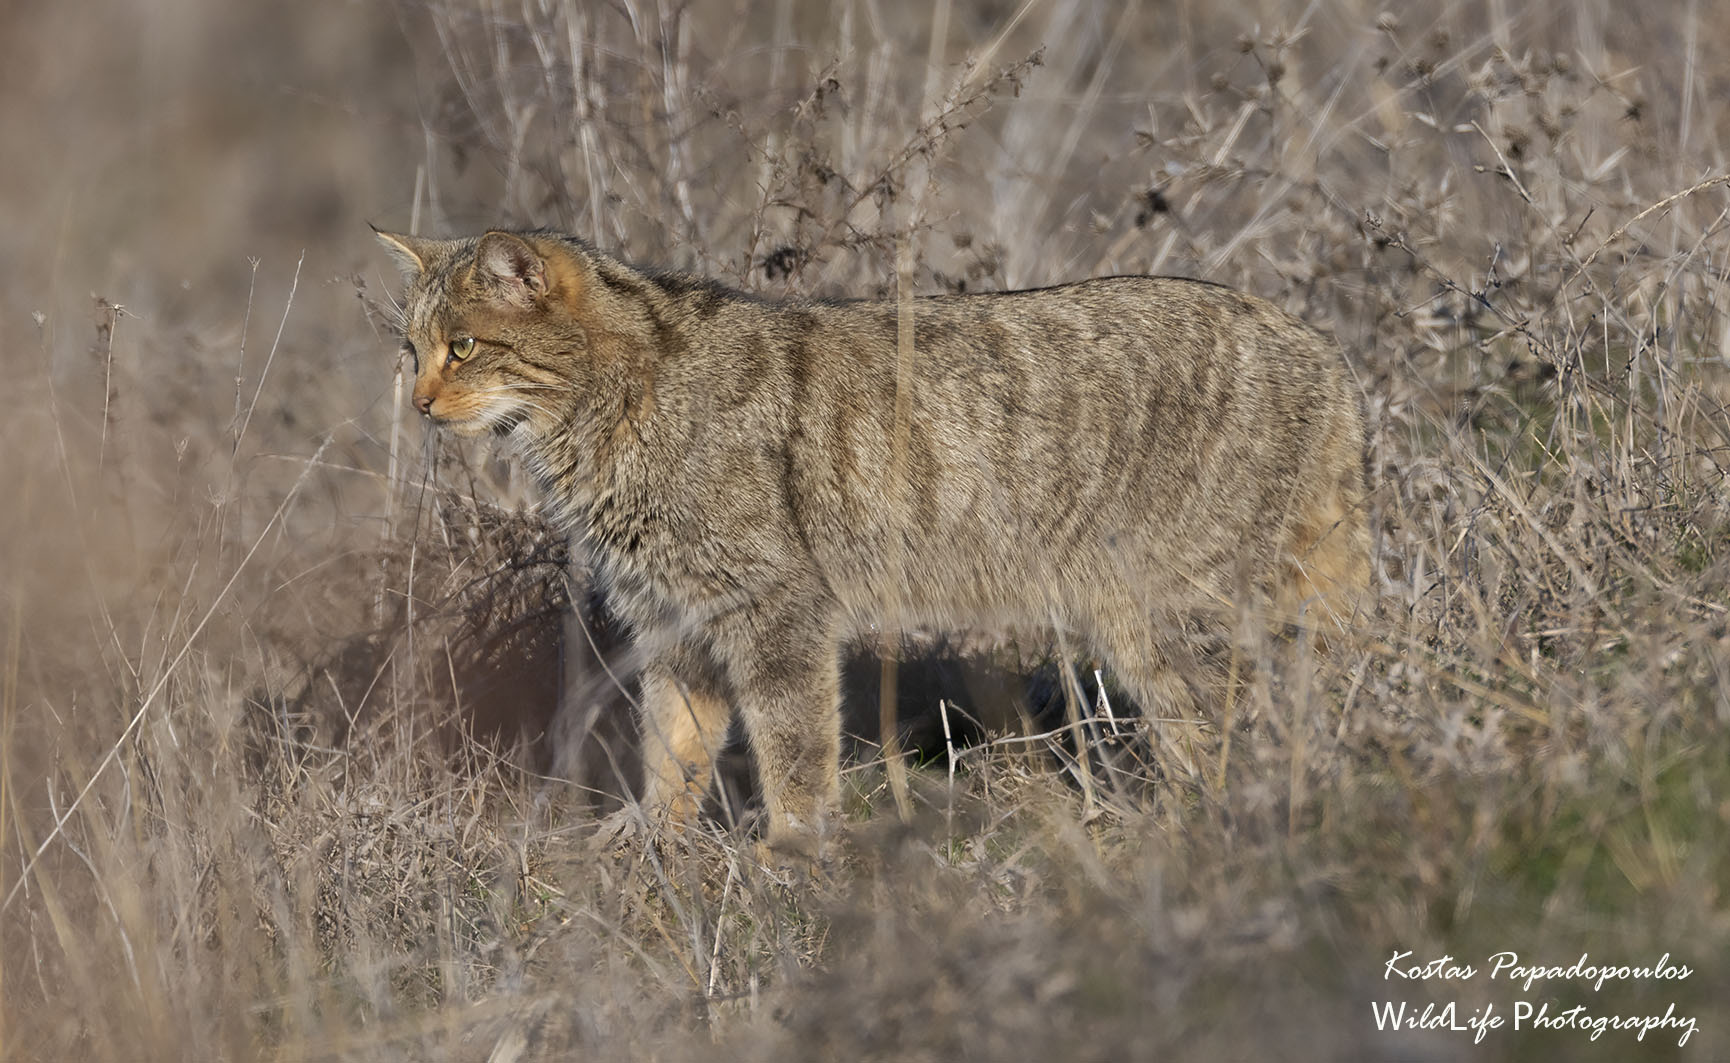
491	323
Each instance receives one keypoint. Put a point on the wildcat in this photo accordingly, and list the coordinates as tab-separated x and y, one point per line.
756	480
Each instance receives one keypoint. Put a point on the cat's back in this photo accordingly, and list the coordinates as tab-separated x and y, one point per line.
1151	329
1023	431
1120	354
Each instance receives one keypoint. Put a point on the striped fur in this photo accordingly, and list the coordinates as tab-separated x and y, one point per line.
1121	457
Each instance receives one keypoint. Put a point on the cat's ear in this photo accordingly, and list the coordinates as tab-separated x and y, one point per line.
411	253
508	265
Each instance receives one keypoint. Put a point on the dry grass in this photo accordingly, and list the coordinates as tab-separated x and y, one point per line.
274	663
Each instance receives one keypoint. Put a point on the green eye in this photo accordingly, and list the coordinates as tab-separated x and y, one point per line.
462	348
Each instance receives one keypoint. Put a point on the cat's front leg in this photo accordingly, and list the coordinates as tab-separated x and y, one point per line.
683	717
782	657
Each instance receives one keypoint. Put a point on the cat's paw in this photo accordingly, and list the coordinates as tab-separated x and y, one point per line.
626	828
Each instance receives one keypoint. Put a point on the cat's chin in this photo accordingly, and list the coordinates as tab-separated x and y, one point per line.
502	428
466	429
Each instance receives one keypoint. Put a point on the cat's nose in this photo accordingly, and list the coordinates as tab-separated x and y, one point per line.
423	403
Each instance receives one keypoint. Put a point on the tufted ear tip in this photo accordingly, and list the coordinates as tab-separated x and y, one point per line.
411	253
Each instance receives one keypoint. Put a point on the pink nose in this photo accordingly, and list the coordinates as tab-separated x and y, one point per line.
423	403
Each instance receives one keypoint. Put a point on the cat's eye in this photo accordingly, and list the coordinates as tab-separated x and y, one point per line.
414	355
462	348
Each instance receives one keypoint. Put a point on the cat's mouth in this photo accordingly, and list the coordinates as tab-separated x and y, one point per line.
487	422
491	426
